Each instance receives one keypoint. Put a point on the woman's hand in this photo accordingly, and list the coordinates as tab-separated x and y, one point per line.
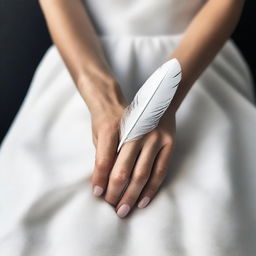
139	168
142	165
105	133
106	104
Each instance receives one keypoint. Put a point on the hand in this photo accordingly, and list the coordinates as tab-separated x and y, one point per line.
106	104
141	166
105	133
148	156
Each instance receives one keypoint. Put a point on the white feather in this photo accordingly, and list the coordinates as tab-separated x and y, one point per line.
150	102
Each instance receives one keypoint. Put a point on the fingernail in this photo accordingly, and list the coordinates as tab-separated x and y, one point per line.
97	190
144	202
123	210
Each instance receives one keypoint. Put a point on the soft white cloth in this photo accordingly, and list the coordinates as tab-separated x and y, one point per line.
207	203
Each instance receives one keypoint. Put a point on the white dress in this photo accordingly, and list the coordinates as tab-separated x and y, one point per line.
207	203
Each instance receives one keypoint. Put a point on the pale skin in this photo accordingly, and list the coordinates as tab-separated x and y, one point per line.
140	167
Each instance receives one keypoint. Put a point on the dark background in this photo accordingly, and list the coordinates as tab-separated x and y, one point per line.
24	39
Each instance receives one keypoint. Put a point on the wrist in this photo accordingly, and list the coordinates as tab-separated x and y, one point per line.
100	91
94	74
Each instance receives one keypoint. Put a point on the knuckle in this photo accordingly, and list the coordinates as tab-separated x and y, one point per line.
154	136
160	172
168	140
120	178
102	164
139	177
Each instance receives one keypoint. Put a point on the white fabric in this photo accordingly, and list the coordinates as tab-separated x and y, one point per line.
207	203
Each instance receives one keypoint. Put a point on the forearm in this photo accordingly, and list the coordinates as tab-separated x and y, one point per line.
75	37
202	40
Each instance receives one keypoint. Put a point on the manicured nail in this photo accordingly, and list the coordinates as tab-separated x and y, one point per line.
123	210
144	202
97	190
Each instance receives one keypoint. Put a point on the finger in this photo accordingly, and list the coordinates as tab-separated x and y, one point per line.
158	174
104	160
120	174
140	176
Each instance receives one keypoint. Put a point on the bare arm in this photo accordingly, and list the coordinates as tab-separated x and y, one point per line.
76	39
202	40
